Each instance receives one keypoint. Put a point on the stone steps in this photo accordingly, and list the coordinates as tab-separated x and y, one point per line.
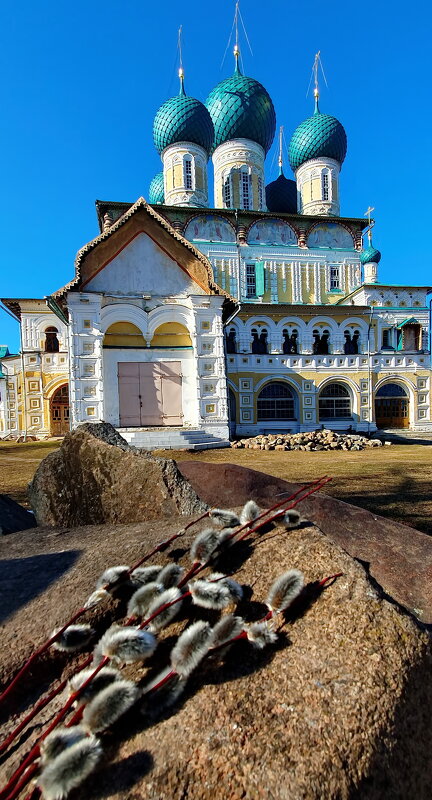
172	439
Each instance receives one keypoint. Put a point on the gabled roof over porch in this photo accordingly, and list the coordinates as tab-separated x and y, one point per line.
141	218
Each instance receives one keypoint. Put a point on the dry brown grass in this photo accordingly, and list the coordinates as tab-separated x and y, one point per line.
18	463
393	481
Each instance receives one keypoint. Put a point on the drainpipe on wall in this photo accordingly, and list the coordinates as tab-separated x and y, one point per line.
370	371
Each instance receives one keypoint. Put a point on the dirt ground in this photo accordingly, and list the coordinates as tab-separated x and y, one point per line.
395	481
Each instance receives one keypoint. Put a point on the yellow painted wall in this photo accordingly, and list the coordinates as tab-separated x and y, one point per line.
123	334
178	175
199	177
171	334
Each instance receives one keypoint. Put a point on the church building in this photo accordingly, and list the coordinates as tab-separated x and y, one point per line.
192	320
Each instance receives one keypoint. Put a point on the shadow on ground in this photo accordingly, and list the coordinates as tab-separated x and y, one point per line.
22	579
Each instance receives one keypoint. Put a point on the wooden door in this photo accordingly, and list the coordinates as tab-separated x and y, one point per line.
150	394
171	381
60	412
392	412
129	394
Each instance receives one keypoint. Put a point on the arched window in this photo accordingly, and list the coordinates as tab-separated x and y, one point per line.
187	172
290	342
227	192
276	401
231	341
259	341
245	189
391	390
335	402
325	186
321	342
51	341
351	345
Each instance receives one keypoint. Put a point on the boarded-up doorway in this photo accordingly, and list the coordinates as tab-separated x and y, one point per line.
150	394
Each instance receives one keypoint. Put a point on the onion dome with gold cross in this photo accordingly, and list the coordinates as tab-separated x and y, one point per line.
182	119
319	136
156	190
241	108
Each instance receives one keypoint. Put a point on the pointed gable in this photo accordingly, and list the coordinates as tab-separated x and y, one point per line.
142	253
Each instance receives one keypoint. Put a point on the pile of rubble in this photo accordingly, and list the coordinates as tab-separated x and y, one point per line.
313	440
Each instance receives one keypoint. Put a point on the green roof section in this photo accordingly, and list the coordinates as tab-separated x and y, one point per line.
4	351
182	119
241	108
156	190
319	136
409	321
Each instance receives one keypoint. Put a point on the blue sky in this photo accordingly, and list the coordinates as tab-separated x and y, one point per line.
81	83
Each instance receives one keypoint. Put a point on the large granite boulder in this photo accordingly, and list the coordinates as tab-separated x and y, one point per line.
338	708
399	558
96	477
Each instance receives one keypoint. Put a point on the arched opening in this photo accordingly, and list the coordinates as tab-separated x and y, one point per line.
259	341
51	341
124	335
231	345
334	402
290	342
392	406
276	402
321	341
172	335
351	344
59	411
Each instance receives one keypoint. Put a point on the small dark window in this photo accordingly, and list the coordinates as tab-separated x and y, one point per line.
231	341
51	341
250	280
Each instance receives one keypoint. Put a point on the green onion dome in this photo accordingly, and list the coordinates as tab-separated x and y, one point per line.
156	189
370	256
319	136
281	195
182	119
241	108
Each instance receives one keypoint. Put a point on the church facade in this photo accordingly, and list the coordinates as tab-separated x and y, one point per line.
188	323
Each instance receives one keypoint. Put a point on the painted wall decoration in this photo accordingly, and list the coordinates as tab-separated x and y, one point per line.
330	234
209	228
271	231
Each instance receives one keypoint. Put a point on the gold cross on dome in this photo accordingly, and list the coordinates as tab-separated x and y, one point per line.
368	213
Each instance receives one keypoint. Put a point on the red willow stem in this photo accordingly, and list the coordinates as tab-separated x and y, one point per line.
279	514
322	583
195	569
46	645
35	750
16	791
37	653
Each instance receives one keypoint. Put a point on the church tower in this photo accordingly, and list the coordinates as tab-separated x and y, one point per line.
244	122
183	136
316	153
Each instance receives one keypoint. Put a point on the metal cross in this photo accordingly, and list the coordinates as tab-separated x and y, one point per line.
368	213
